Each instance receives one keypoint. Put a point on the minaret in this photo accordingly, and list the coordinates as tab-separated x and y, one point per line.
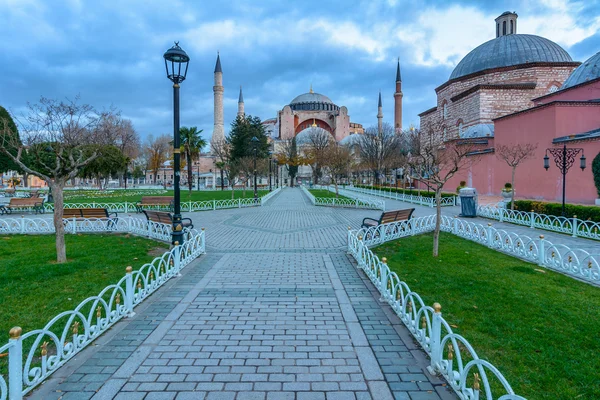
218	131
241	112
398	101
379	116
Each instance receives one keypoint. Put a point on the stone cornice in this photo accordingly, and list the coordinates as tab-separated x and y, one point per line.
499	86
432	109
509	68
551	104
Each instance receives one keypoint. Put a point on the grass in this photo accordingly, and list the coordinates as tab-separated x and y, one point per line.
539	328
34	289
134	195
325	193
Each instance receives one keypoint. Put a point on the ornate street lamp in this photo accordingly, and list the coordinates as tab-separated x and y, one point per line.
254	142
270	171
564	159
176	64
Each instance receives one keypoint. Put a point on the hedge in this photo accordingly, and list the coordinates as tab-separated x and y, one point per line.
405	191
540	207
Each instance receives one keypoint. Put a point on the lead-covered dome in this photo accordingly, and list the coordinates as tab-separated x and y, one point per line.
509	50
587	71
311	97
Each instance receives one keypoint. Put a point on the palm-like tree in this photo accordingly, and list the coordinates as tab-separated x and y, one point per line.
191	145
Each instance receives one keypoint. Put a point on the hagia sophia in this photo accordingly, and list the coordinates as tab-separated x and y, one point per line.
514	88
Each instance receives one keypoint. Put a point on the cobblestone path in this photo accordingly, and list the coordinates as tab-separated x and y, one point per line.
275	310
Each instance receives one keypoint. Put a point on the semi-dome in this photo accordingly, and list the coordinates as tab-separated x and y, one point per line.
303	137
351	140
587	71
509	50
478	131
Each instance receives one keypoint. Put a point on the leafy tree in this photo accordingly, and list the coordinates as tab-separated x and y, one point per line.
8	125
157	151
596	172
112	162
191	144
287	155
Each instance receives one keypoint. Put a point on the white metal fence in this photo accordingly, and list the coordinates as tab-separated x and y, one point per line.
574	226
451	355
349	201
409	198
35	355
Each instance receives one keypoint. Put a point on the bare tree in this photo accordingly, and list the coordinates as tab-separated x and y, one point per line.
338	164
379	149
222	150
58	141
245	166
435	163
315	149
514	155
158	152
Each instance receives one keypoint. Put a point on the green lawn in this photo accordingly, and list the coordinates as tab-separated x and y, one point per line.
134	195
325	193
34	289
541	329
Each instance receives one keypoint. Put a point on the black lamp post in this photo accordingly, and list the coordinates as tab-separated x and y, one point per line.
564	159
270	171
176	63
276	172
254	141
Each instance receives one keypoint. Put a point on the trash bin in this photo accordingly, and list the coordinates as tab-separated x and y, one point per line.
468	202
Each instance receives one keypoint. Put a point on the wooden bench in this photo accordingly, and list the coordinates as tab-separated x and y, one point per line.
155	201
389	216
86	213
164	217
33	203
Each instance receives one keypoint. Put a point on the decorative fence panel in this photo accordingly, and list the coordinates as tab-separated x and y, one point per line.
409	198
35	355
450	354
573	226
350	202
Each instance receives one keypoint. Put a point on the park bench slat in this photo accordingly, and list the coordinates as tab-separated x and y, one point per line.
153	201
164	217
389	216
34	203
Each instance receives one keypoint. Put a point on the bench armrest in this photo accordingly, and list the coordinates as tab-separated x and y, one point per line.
112	214
191	224
371	219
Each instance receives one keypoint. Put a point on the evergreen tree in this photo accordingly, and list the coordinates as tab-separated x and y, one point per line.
243	129
6	121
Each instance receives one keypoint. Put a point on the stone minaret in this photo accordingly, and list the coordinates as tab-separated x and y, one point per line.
398	101
241	112
379	116
218	130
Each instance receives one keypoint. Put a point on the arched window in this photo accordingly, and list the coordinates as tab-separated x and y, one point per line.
497	30
511	26
460	128
553	89
445	110
504	28
444	134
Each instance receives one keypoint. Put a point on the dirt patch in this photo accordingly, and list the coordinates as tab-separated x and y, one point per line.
157	251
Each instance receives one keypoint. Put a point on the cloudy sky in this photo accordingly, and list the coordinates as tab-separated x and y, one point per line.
110	52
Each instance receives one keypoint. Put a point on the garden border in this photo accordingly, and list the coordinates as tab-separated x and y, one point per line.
409	198
351	202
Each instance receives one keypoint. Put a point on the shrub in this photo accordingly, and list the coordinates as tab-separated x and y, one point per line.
462	184
596	172
406	191
540	207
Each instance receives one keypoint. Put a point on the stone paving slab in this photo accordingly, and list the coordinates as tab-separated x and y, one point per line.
288	319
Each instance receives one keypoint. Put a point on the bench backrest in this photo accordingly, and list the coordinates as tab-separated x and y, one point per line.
34	193
396	215
159	216
25	202
85	213
156	200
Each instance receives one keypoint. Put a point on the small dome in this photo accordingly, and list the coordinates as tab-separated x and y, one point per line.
303	137
479	130
351	140
509	50
587	71
311	97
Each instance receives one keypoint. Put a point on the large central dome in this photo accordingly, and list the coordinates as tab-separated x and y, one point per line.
509	50
311	97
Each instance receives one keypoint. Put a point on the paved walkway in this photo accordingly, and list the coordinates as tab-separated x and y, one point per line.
275	310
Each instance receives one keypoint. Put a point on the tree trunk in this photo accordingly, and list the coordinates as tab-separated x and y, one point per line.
57	193
512	194
189	168
337	192
438	221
